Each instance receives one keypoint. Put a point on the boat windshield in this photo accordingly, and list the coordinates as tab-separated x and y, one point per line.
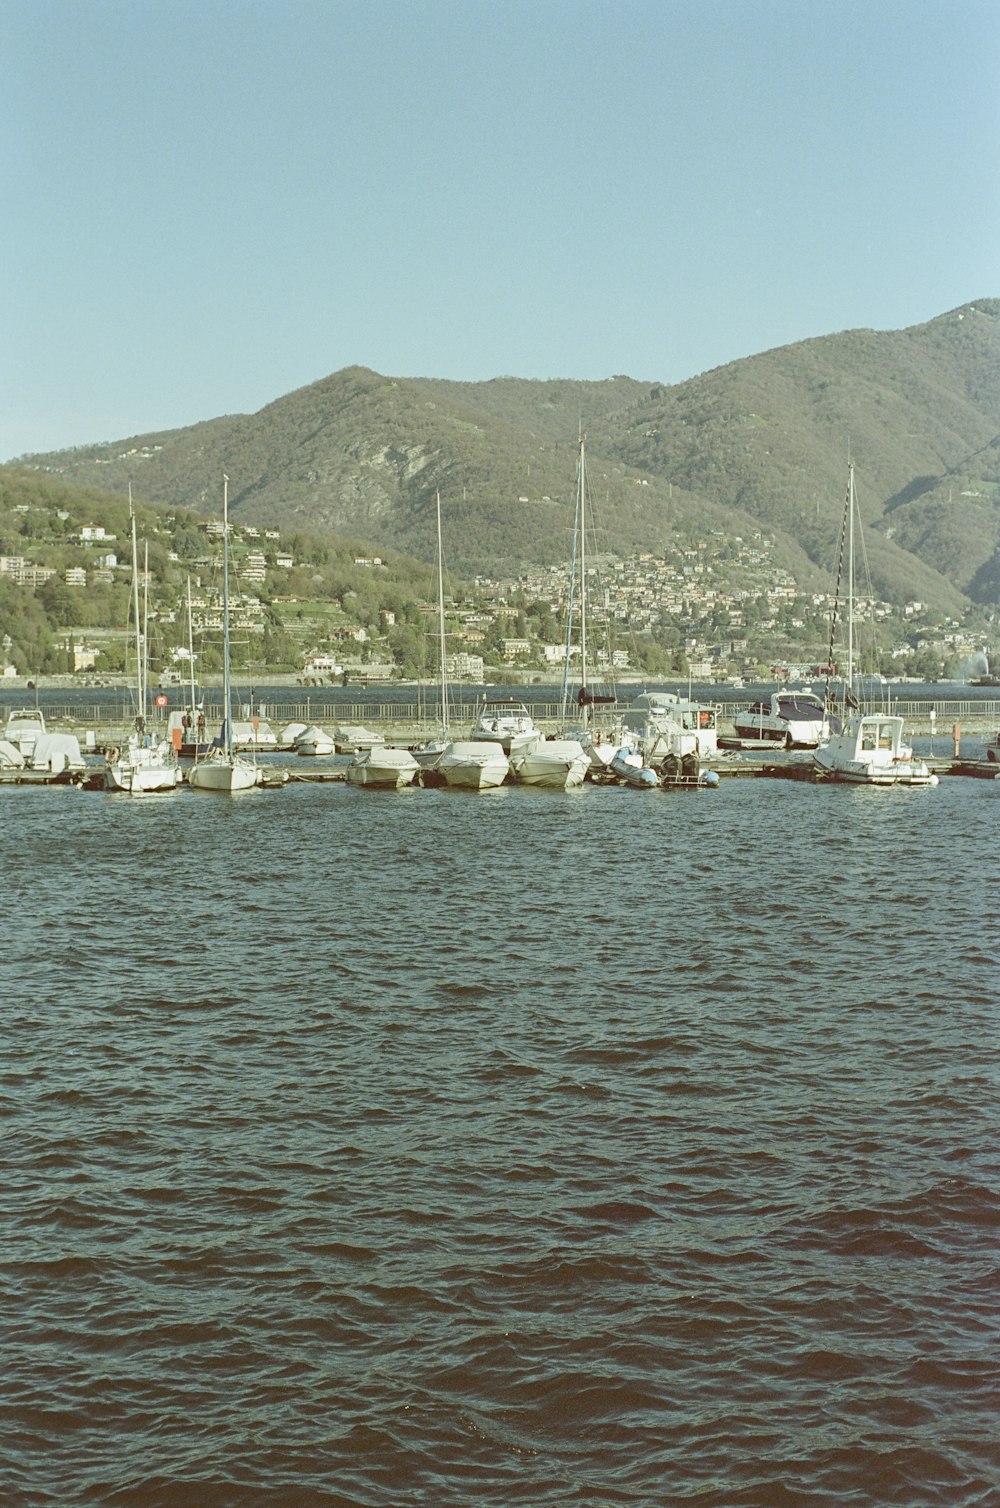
800	708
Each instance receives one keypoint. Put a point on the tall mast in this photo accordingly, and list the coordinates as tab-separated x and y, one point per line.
850	579
144	677
227	696
444	681
585	709
140	689
190	645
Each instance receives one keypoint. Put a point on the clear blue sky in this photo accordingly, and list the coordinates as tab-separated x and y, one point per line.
207	205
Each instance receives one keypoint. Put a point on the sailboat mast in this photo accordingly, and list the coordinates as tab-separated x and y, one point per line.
144	674
190	645
850	579
140	689
444	678
585	709
227	696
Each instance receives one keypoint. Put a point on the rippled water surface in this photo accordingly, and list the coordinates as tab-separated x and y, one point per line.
526	1148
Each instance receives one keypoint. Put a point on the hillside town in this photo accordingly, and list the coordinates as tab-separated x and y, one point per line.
718	609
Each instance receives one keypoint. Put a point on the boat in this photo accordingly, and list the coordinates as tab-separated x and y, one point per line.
869	748
630	768
313	741
55	756
601	745
506	723
224	771
556	763
428	754
472	765
253	733
664	722
354	739
186	727
686	774
24	726
144	764
383	768
796	718
11	757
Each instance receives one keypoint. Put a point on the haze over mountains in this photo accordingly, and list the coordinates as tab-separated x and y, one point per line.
759	445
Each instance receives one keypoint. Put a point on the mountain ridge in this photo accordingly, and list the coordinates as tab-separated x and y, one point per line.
759	444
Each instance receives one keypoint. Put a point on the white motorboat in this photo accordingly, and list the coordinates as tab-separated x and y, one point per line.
145	764
224	771
312	740
473	765
56	754
666	723
24	726
798	719
869	748
557	763
506	723
351	738
382	768
253	733
11	757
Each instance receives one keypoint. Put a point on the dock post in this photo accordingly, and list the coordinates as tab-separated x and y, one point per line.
956	738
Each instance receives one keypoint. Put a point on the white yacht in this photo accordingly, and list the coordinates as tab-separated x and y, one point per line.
145	763
473	765
24	726
382	768
869	748
506	723
557	763
796	718
313	741
670	724
224	771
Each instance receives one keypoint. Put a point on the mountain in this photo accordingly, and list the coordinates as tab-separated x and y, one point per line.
758	445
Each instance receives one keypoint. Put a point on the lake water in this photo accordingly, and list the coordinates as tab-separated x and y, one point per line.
528	1148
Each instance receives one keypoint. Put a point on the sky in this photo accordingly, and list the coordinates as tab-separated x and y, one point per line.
208	205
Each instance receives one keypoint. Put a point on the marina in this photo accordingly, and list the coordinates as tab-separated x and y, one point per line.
315	740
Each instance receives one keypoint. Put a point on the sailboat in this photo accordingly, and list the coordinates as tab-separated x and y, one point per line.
599	748
429	754
145	764
869	749
224	770
468	764
186	725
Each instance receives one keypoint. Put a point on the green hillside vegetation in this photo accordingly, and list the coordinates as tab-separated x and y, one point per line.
40	519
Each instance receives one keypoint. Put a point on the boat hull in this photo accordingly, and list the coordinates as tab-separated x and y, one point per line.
141	780
555	764
870	751
382	769
225	777
473	766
